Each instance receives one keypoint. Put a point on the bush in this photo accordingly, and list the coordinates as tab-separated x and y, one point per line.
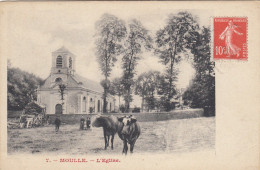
136	110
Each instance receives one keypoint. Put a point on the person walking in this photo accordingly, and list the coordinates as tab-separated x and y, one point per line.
88	122
57	124
82	121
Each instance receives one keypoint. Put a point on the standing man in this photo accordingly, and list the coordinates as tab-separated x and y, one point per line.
88	122
57	124
82	121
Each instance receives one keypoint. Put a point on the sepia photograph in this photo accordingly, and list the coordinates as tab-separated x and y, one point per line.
111	85
88	83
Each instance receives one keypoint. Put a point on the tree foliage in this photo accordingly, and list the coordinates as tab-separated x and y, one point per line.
137	40
172	41
201	93
110	31
146	86
117	88
33	108
21	88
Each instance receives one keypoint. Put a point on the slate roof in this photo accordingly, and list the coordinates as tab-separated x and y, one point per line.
88	84
46	84
63	50
76	81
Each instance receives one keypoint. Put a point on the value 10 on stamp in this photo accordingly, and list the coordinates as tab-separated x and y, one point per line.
230	38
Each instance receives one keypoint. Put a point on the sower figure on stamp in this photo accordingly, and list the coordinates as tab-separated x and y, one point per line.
57	124
82	121
232	49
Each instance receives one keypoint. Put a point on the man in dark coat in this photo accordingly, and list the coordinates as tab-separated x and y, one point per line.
82	121
88	122
57	124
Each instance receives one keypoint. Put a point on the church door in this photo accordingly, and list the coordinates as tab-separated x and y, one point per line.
58	109
98	105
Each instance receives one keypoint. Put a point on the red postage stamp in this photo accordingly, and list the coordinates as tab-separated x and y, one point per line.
230	38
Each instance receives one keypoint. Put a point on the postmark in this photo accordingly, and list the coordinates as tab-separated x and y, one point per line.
230	38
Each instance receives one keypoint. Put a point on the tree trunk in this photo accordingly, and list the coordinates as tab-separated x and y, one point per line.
171	71
128	87
105	97
127	102
142	104
170	79
105	101
119	105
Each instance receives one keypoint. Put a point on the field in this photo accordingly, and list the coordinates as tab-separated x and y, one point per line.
171	136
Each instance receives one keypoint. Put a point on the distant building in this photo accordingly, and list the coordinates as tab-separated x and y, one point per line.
81	95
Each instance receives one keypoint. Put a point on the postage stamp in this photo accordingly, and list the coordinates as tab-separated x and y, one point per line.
230	38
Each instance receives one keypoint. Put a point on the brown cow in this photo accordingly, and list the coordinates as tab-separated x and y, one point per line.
126	127
129	132
110	126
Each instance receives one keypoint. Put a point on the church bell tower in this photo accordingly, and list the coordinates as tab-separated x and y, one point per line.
63	65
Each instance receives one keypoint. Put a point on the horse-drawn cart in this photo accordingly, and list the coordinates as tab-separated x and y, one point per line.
34	115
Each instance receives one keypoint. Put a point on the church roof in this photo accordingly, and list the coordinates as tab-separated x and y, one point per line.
88	84
62	50
76	81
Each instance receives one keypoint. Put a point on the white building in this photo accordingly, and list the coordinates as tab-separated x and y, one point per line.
81	95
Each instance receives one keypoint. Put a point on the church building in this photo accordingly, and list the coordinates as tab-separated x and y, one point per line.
66	92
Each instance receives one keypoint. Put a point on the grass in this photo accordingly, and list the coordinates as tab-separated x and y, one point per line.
171	136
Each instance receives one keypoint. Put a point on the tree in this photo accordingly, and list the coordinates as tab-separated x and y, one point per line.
141	88
138	38
172	41
117	88
201	93
146	86
110	31
62	88
164	91
21	88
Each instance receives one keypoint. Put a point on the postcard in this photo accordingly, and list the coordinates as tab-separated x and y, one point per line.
130	85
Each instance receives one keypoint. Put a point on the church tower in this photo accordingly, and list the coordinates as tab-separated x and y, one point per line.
81	95
63	65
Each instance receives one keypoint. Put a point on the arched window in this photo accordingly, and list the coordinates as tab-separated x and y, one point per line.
84	104
98	105
59	61
91	106
58	80
70	62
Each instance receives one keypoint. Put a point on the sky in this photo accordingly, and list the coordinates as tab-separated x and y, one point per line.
36	31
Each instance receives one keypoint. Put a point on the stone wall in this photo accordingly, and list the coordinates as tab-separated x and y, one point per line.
142	117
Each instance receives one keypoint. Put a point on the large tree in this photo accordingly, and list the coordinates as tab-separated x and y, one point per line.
117	88
172	41
165	91
21	88
110	31
137	40
146	87
201	93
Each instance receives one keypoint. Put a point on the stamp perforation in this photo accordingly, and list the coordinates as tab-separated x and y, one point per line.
229	45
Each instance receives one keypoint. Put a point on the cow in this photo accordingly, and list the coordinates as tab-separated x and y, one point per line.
110	128
129	132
